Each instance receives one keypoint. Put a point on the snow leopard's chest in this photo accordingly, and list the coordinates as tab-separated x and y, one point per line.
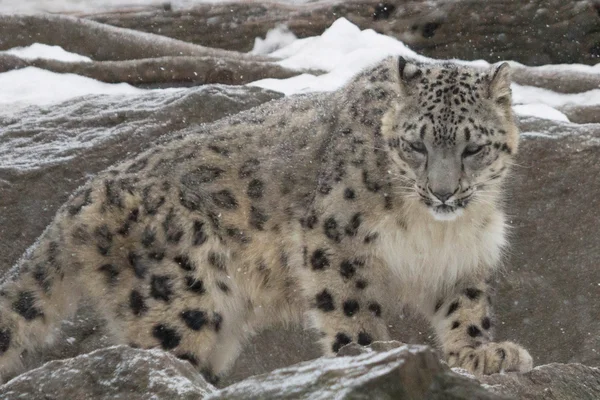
427	257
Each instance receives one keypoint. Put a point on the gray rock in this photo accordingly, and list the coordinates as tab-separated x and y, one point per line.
114	373
403	372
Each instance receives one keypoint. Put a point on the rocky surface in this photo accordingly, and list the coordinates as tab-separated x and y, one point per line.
548	288
547	292
384	370
534	32
113	373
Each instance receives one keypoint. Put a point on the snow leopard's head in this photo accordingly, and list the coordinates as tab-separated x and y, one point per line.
452	134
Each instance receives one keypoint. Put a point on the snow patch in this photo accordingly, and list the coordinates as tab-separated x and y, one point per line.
276	38
540	111
35	86
39	50
342	51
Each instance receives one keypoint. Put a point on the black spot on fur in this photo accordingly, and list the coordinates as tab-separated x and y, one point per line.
111	273
167	336
255	189
223	287
438	305
371	237
330	227
361	284
199	236
349	194
473	293
131	218
375	308
139	267
238	235
351	307
501	353
161	287
148	236
217	260
455	325
474	331
173	230
217	321
324	301
225	199
25	306
311	221
185	263
258	218
194	319
194	285
189	357
319	259
354	224
369	184
486	323
79	201
347	269
5	337
103	239
152	200
40	275
157	255
200	175
219	150
138	165
341	339
80	235
113	193
137	303
453	307
364	339
249	167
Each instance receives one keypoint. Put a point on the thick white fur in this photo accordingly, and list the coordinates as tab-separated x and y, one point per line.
430	256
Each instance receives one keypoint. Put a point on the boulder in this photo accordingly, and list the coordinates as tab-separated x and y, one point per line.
113	373
383	370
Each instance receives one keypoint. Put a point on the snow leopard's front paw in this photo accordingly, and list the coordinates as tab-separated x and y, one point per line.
491	358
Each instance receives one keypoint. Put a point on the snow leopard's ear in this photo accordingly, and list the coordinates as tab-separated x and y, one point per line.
499	81
408	71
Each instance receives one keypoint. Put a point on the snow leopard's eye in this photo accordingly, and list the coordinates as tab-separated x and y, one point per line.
418	147
472	150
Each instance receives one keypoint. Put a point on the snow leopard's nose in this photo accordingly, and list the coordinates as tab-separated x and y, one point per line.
443	196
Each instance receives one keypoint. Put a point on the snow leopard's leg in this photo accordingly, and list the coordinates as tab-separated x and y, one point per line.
463	324
344	297
35	297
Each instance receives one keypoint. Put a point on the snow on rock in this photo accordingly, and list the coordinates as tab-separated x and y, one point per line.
35	86
540	111
89	6
119	372
394	370
39	50
33	137
343	50
276	38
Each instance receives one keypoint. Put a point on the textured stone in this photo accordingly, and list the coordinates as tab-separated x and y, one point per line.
113	373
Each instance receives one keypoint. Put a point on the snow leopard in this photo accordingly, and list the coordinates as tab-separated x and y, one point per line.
334	211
